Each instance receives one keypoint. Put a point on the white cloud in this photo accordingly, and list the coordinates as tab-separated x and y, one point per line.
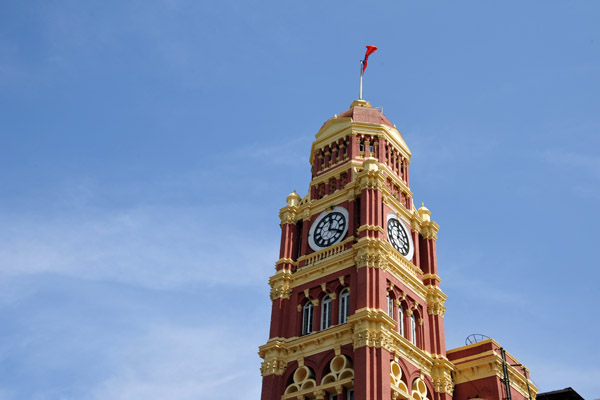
185	363
155	247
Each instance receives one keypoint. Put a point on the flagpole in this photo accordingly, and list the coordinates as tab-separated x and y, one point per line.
361	75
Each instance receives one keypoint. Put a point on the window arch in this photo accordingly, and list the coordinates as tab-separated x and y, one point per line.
413	329
307	318
390	306
344	305
400	320
326	312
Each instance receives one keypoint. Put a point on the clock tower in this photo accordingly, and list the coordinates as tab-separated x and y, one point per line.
357	309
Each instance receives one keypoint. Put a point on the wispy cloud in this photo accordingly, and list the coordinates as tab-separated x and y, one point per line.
185	363
157	247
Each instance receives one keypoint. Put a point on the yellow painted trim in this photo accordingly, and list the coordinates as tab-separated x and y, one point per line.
328	252
325	267
432	276
486	364
373	228
347	383
334	170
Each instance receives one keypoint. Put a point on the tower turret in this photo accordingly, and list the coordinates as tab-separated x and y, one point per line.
357	305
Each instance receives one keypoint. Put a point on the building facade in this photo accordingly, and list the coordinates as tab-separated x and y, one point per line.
357	308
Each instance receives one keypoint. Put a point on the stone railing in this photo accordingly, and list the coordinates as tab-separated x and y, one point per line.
317	256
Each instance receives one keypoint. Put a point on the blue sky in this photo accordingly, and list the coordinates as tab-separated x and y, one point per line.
146	148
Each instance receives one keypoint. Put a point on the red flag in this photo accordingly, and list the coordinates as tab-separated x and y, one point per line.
370	50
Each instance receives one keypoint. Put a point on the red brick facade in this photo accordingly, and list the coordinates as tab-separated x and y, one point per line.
318	346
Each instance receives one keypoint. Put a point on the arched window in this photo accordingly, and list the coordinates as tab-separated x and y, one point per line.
326	312
413	330
390	306
400	320
307	318
344	305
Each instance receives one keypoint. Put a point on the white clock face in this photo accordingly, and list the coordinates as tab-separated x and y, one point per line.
399	236
329	228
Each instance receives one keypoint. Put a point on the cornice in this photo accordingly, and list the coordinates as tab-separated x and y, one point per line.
441	375
289	214
371	228
411	353
435	300
369	179
429	229
382	131
336	170
322	268
392	174
329	200
389	199
273	354
281	284
327	253
365	328
435	277
377	253
366	252
323	138
491	365
281	351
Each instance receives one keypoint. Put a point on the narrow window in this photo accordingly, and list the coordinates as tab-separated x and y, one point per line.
400	320
344	305
326	313
362	146
307	318
390	306
371	148
413	330
351	394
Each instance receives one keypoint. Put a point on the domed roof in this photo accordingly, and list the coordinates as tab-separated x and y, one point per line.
361	111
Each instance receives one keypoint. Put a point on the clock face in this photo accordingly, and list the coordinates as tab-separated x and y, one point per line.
329	228
399	236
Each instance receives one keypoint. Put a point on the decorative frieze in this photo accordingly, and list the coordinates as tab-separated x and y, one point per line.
435	301
441	375
274	366
372	328
429	230
281	284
